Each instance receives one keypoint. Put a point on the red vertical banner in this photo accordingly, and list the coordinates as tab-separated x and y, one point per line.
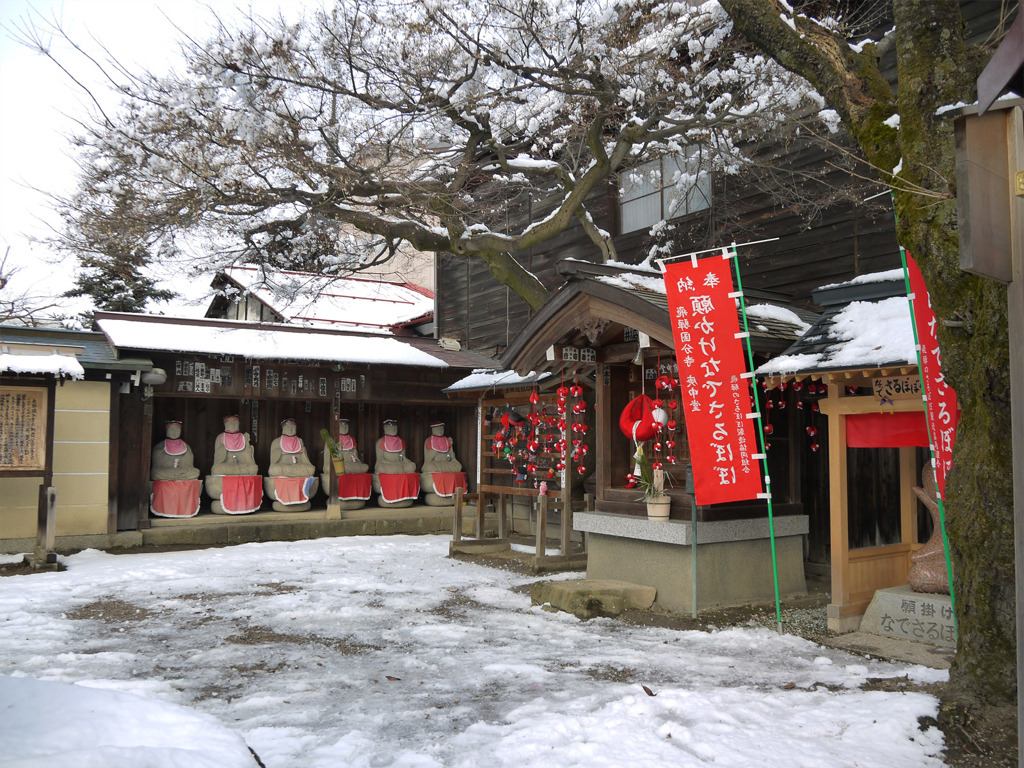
715	394
941	406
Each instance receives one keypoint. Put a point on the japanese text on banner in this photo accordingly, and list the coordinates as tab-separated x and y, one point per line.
941	406
715	396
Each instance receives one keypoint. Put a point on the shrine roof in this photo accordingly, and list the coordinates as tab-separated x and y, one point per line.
635	297
483	379
275	341
93	349
360	304
866	324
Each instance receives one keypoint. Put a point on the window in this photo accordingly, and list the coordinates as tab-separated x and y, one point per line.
648	193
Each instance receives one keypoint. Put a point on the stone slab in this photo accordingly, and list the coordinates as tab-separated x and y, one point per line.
479	546
893	649
901	613
587	598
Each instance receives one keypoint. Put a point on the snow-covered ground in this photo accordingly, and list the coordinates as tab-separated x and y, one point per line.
381	651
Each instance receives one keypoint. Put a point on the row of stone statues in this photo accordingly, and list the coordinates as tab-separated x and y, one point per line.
234	482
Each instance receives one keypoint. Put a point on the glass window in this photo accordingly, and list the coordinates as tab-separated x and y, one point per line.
648	192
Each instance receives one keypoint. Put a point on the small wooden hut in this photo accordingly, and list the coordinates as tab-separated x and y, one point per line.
860	363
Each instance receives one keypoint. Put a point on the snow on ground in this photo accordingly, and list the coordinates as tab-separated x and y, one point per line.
381	651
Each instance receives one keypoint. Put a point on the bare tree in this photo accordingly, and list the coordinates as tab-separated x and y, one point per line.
23	307
323	145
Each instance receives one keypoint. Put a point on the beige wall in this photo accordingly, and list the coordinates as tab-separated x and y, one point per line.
81	436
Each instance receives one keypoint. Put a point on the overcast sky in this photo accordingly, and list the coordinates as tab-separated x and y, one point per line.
38	102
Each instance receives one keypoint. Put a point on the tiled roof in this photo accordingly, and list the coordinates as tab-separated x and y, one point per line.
866	324
353	303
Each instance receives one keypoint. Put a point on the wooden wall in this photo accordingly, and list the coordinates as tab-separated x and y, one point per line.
365	395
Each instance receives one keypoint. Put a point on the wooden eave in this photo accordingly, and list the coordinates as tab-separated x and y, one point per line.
577	303
842	375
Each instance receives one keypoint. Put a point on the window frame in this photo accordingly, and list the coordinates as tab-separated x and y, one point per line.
697	198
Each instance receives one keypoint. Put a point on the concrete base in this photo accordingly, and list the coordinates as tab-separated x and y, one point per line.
734	559
901	613
76	543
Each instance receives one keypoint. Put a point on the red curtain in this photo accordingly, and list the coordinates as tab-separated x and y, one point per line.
886	430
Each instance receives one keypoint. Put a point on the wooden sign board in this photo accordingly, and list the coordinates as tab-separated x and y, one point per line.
891	388
23	428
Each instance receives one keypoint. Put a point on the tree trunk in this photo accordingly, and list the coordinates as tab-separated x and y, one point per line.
936	69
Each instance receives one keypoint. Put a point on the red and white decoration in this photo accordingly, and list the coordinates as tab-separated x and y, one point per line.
292	490
241	494
940	399
445	483
175	498
356	486
714	380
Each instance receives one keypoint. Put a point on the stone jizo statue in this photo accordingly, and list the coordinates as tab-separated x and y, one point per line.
441	471
394	475
172	458
233	457
355	484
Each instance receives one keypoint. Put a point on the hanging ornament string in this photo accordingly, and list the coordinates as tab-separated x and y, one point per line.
532	440
579	424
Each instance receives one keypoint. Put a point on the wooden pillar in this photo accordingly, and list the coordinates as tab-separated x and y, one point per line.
457	516
542	524
46	514
46	525
838	505
908	501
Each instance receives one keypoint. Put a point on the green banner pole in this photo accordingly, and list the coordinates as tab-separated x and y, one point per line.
763	455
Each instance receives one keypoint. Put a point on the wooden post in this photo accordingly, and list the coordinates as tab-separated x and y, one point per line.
502	517
457	522
566	538
908	501
481	509
542	524
838	512
46	525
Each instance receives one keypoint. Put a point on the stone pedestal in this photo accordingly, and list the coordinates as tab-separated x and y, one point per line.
733	558
902	613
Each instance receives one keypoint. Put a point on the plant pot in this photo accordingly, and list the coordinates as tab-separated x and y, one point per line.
659	507
339	465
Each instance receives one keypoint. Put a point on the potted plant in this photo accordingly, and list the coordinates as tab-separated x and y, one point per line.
652	483
337	459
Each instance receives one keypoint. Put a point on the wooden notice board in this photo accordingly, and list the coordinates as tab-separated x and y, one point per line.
23	416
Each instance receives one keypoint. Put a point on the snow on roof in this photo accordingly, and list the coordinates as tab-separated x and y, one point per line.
487	378
54	364
367	305
872	277
654	283
260	343
777	313
863	334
